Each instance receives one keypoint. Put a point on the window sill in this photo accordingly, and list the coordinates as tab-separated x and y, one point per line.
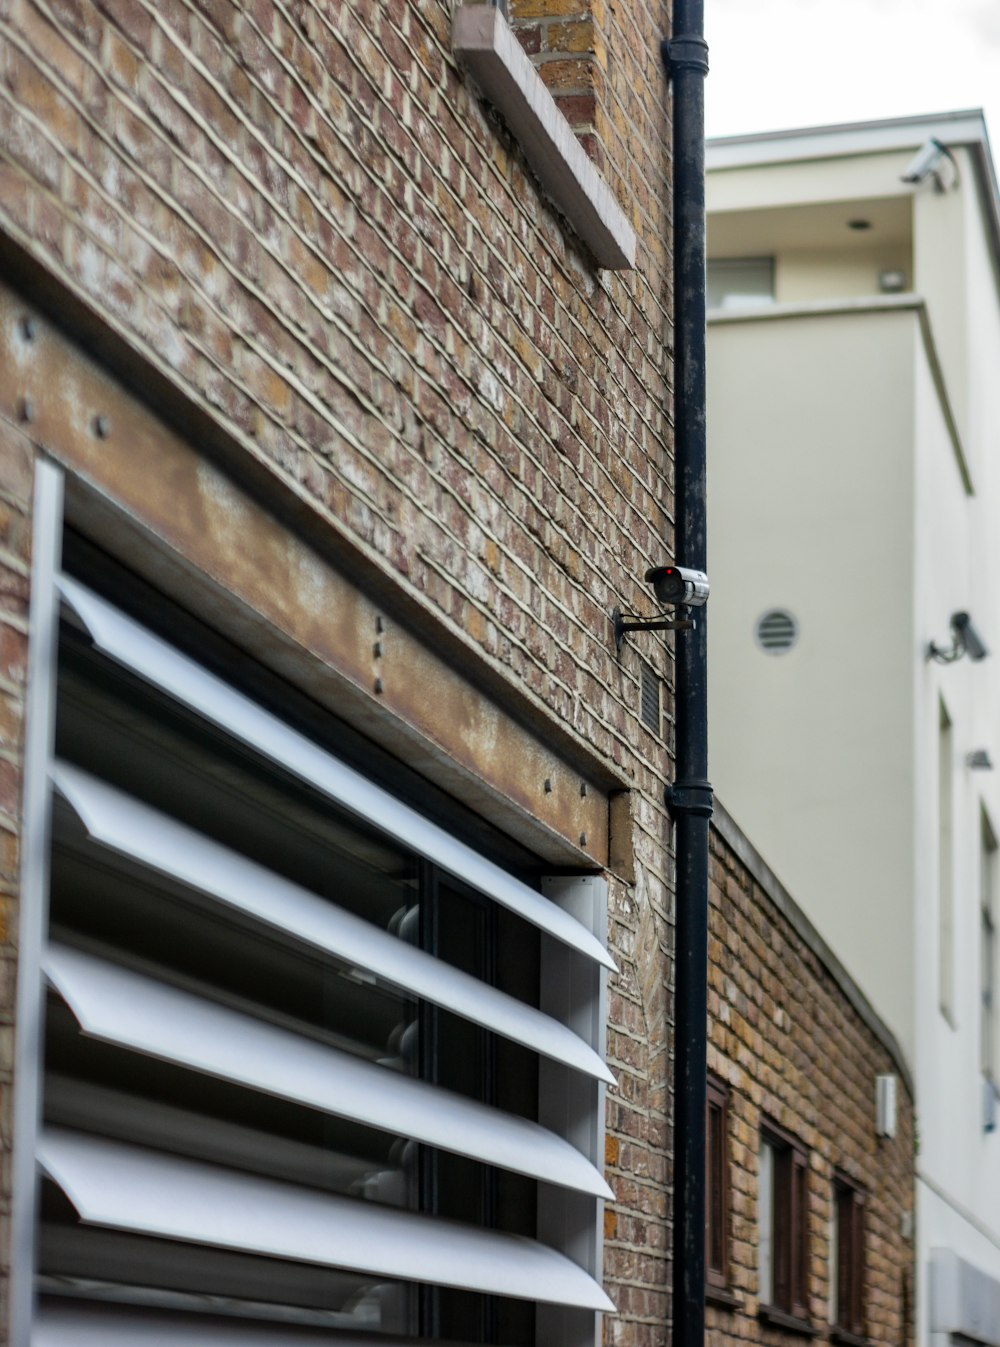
849	1339
776	1318
491	53
723	1298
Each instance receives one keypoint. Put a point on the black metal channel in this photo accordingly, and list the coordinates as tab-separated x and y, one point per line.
689	799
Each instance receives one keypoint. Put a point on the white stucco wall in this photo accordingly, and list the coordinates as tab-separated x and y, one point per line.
940	262
810	482
861	456
804	274
957	567
851	178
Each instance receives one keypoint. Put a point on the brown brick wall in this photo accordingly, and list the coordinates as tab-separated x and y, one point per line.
794	1049
295	228
581	49
566	40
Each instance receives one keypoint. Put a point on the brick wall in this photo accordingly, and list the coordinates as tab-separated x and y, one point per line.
580	48
565	38
294	228
797	1045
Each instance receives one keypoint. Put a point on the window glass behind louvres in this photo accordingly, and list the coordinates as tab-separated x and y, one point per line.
292	1060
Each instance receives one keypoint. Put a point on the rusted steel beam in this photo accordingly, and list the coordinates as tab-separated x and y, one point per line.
146	495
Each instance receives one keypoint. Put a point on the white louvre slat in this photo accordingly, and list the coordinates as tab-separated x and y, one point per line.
126	641
147	1192
132	829
83	1326
136	1012
80	1325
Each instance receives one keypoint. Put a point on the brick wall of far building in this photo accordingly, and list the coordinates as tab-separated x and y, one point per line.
798	1045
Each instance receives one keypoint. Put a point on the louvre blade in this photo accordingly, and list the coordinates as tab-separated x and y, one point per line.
148	1192
136	1012
130	644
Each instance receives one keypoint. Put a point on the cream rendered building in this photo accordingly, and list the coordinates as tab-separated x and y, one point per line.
854	476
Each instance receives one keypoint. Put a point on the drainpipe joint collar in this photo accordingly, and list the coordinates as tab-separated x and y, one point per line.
688	51
691	796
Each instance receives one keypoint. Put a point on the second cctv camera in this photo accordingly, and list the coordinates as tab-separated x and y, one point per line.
679	585
968	637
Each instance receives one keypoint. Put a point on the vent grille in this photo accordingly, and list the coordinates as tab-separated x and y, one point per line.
777	632
649	702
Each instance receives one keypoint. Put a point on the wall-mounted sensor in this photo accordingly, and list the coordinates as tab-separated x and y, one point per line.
885	1105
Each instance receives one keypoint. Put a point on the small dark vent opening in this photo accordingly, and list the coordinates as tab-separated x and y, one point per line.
777	631
649	697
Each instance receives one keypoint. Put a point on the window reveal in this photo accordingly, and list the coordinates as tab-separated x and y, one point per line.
783	1197
717	1186
848	1258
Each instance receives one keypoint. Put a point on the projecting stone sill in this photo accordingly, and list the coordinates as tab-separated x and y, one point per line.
791	1323
485	45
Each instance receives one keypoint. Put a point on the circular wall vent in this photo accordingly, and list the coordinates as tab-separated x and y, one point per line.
777	631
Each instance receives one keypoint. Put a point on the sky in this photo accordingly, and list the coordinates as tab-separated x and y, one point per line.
777	64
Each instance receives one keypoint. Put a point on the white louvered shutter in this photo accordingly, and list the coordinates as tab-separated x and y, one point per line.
314	1069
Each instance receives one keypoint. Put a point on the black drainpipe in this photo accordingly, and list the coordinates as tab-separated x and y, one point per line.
689	799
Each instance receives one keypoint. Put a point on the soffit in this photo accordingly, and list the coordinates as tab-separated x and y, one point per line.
744	233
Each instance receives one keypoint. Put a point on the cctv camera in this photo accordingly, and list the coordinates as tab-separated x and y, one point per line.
678	585
967	636
927	162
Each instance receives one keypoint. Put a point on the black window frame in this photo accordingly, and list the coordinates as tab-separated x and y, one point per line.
718	1234
849	1300
789	1303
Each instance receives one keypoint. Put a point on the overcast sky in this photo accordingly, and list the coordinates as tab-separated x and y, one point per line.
782	63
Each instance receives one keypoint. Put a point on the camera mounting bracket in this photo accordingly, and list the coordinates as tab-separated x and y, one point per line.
626	622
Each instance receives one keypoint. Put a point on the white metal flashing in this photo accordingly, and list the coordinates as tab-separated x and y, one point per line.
483	41
34	891
736	839
841	139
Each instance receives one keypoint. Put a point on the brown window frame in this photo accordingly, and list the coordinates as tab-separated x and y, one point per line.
717	1231
850	1204
789	1304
